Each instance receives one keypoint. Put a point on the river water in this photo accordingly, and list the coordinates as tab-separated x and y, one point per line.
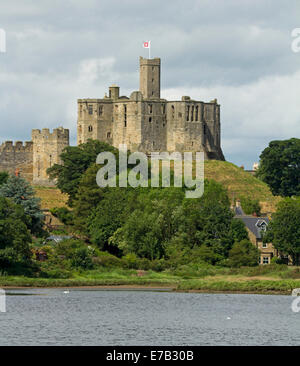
110	317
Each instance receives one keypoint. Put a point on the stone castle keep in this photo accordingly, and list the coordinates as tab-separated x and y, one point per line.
144	121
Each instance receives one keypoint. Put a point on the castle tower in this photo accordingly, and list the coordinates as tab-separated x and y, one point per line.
150	78
47	148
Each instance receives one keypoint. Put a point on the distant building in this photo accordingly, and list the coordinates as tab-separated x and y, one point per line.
256	226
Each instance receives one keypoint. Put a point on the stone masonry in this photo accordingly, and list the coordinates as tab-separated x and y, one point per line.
146	123
32	159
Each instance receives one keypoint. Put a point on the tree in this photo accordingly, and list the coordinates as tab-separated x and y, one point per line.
243	253
284	229
250	206
75	161
3	177
110	214
207	220
238	230
280	167
20	192
150	222
14	236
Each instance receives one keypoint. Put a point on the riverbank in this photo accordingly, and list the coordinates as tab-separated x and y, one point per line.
209	284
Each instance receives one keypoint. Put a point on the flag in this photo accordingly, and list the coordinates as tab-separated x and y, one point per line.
146	44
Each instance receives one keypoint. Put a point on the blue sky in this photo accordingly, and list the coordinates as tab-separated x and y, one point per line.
238	51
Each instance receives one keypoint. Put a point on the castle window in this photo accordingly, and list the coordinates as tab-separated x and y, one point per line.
80	110
204	129
163	108
192	114
173	111
150	119
90	109
125	115
100	110
188	113
150	108
90	128
196	114
108	135
152	92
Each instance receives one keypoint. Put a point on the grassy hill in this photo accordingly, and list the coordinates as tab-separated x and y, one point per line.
51	197
237	181
240	183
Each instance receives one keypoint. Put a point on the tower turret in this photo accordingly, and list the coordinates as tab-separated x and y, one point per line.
150	78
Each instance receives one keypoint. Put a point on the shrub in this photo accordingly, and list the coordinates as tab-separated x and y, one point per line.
243	253
250	206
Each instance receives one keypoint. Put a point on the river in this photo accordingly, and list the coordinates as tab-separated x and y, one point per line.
127	317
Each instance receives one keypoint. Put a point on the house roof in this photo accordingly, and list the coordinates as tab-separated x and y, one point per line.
255	224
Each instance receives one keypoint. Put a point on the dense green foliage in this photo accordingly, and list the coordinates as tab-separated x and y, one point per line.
20	192
75	161
3	177
280	167
14	237
243	253
284	229
250	206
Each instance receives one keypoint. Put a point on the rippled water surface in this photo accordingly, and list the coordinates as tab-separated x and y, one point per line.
103	317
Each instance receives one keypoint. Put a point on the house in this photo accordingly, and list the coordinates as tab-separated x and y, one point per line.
256	226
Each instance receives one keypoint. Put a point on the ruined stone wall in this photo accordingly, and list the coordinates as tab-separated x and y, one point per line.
47	148
17	156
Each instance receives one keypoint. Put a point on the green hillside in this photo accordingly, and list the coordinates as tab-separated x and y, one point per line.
236	180
240	183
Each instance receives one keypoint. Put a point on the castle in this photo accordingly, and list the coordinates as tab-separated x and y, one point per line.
144	121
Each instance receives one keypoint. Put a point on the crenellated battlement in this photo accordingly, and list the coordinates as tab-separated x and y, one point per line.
58	133
18	146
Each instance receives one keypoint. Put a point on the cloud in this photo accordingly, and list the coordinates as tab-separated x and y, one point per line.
238	52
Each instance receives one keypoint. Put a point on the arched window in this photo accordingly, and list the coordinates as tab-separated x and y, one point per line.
188	113
90	128
192	114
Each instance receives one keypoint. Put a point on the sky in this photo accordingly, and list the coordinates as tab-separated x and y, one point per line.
238	51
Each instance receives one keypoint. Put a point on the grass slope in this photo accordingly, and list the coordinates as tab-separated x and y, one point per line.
240	183
237	181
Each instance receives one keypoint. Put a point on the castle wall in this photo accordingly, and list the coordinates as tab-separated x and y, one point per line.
17	157
146	123
47	148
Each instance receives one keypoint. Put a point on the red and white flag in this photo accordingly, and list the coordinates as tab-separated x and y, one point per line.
146	44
